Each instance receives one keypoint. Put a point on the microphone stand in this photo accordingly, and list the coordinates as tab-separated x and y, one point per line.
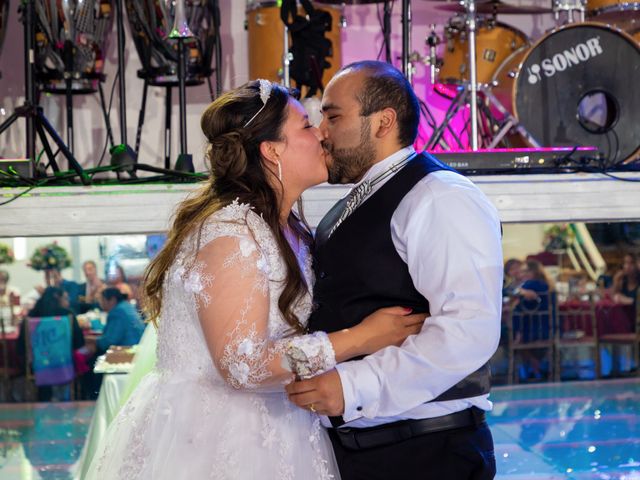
122	154
182	32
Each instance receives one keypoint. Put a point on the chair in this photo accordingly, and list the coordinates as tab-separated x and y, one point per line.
577	328
630	338
9	368
530	329
49	358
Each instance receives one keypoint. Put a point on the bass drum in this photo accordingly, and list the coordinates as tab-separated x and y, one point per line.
266	40
575	87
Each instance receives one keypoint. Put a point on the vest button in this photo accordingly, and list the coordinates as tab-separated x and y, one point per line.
315	306
322	274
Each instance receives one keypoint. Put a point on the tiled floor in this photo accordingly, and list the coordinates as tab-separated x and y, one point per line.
42	441
581	431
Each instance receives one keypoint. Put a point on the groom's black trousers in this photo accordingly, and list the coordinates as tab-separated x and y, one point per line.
458	454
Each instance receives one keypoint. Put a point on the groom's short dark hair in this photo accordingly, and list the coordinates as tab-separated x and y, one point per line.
385	86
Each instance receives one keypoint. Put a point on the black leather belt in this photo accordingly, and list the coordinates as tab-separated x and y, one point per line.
380	436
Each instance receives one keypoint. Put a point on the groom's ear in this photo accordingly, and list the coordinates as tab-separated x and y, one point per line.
386	121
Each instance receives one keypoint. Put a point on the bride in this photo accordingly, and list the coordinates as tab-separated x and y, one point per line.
230	295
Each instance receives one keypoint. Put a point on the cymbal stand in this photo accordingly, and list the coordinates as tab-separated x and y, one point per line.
470	6
509	122
287	56
407	65
386	31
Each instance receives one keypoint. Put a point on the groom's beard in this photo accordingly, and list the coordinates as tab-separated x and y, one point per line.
350	164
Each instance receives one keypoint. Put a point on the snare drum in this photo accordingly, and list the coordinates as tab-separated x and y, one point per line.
266	40
71	42
495	42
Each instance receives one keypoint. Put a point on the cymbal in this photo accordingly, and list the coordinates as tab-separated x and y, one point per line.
496	7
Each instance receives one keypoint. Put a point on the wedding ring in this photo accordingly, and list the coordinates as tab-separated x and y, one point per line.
312	408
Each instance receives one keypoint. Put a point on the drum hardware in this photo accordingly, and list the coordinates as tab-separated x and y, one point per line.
407	66
495	7
287	57
36	122
570	9
509	123
615	12
473	85
434	62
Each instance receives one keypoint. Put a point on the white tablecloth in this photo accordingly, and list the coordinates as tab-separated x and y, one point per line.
107	407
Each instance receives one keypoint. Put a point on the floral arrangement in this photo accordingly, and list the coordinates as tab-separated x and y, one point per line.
49	257
6	254
558	236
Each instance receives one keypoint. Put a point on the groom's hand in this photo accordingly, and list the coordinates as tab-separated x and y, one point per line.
322	394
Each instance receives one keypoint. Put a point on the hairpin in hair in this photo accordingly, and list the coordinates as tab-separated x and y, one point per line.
265	93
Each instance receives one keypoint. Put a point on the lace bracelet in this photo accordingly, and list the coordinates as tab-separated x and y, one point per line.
309	355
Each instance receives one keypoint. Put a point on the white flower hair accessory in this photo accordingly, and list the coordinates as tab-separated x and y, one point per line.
265	93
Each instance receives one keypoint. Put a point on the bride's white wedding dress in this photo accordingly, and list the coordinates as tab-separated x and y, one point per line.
193	419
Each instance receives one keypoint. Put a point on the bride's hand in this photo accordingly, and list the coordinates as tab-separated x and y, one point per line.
388	326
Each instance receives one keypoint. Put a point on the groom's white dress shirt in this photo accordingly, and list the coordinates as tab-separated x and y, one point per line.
448	233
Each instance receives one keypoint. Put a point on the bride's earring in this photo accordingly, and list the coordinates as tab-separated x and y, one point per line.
279	171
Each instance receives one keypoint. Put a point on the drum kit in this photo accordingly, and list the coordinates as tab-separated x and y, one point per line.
571	87
574	86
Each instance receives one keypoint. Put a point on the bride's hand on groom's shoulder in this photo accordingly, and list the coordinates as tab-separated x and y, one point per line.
321	394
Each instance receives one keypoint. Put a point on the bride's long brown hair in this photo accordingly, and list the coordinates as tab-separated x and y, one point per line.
237	172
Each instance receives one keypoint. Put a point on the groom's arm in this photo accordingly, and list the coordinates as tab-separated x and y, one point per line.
450	239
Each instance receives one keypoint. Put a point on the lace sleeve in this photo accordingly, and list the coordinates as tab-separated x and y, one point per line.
232	293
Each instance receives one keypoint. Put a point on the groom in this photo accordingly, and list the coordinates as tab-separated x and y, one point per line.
416	234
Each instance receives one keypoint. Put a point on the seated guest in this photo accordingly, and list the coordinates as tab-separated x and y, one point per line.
91	289
512	276
117	279
124	325
532	319
53	302
53	278
627	281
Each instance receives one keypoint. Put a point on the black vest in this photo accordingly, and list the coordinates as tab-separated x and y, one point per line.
359	271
